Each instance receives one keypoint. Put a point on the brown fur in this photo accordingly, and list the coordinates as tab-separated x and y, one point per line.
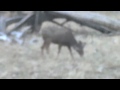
62	37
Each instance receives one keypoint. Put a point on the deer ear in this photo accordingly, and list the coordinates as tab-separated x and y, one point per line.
79	42
84	44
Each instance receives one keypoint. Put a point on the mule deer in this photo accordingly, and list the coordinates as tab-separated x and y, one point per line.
61	36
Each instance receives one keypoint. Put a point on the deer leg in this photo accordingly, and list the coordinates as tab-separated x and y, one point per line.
43	47
70	50
47	46
59	49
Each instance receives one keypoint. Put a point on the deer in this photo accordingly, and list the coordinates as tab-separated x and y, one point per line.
62	37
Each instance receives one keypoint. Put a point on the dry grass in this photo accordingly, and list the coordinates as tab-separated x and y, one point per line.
101	60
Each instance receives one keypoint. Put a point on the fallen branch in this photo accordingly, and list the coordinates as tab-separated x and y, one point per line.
96	21
22	22
13	20
99	22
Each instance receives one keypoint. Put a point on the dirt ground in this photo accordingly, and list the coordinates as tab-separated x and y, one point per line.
101	59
